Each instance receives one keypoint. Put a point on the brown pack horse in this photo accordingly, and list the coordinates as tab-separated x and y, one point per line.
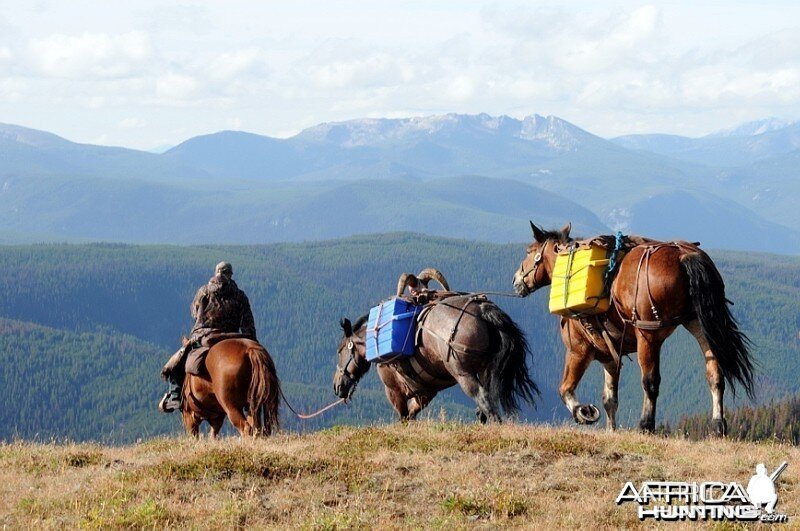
464	340
659	286
239	375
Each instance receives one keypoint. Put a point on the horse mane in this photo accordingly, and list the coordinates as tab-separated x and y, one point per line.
556	235
360	322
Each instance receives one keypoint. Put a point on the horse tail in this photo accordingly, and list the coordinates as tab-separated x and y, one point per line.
509	381
264	391
730	345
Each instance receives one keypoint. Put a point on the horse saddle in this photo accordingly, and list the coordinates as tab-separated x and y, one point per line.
196	359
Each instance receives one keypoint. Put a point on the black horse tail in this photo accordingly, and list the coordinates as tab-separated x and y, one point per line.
509	381
730	345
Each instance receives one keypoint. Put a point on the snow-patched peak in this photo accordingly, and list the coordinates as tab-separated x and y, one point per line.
754	128
557	133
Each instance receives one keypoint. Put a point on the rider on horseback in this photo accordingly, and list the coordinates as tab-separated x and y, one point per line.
219	306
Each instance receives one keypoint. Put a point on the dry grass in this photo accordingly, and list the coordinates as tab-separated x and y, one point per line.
424	475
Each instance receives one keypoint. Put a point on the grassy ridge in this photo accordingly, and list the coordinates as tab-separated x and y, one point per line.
422	475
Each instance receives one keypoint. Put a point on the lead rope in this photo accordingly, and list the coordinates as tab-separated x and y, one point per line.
314	414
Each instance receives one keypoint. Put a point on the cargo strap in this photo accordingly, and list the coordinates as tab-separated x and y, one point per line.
592	330
453	347
658	323
418	375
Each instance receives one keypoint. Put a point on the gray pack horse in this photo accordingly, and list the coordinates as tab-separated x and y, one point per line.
461	339
658	287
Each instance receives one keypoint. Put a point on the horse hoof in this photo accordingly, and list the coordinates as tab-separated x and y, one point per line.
647	426
719	428
481	416
586	414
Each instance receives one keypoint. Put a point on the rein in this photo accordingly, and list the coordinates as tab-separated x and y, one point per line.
315	413
343	370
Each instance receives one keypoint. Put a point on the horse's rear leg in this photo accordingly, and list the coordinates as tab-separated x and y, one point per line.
716	382
648	350
487	408
239	421
192	423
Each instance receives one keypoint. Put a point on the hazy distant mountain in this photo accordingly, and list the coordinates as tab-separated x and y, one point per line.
28	152
428	147
770	187
372	175
715	222
754	128
136	211
743	145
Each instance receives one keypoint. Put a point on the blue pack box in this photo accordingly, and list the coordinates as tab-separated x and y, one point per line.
390	330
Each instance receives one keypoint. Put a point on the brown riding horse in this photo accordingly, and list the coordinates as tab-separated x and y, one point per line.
658	287
464	340
239	374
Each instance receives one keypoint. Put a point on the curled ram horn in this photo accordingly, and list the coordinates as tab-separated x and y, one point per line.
430	273
406	279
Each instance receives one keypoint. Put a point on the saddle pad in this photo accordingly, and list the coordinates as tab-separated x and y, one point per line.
196	361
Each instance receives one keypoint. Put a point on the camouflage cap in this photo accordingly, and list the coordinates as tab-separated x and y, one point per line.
224	268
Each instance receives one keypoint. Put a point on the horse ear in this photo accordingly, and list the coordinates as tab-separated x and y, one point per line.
538	234
565	230
347	326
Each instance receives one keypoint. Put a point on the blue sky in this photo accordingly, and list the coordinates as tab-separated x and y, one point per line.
157	72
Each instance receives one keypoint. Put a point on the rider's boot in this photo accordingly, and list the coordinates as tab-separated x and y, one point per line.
172	399
173	371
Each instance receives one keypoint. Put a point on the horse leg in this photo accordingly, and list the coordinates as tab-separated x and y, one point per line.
236	414
610	388
192	423
254	419
648	350
575	366
716	382
487	409
417	404
399	402
216	425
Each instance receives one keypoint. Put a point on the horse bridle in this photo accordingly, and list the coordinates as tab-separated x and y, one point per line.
537	261
351	347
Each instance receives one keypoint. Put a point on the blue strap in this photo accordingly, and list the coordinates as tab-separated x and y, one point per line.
608	277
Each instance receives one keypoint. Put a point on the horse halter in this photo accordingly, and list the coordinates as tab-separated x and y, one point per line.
351	347
537	261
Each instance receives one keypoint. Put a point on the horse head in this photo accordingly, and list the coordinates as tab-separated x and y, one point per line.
351	358
536	268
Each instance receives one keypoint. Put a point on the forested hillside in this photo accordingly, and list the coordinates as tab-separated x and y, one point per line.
779	421
86	328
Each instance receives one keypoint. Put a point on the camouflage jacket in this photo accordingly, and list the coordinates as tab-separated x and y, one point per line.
220	306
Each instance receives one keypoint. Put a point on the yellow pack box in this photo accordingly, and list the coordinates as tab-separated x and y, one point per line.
577	285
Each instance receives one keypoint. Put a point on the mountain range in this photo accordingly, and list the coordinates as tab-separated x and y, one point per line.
468	176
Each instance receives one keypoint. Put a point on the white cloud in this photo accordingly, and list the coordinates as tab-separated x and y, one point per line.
90	54
133	122
679	67
176	87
